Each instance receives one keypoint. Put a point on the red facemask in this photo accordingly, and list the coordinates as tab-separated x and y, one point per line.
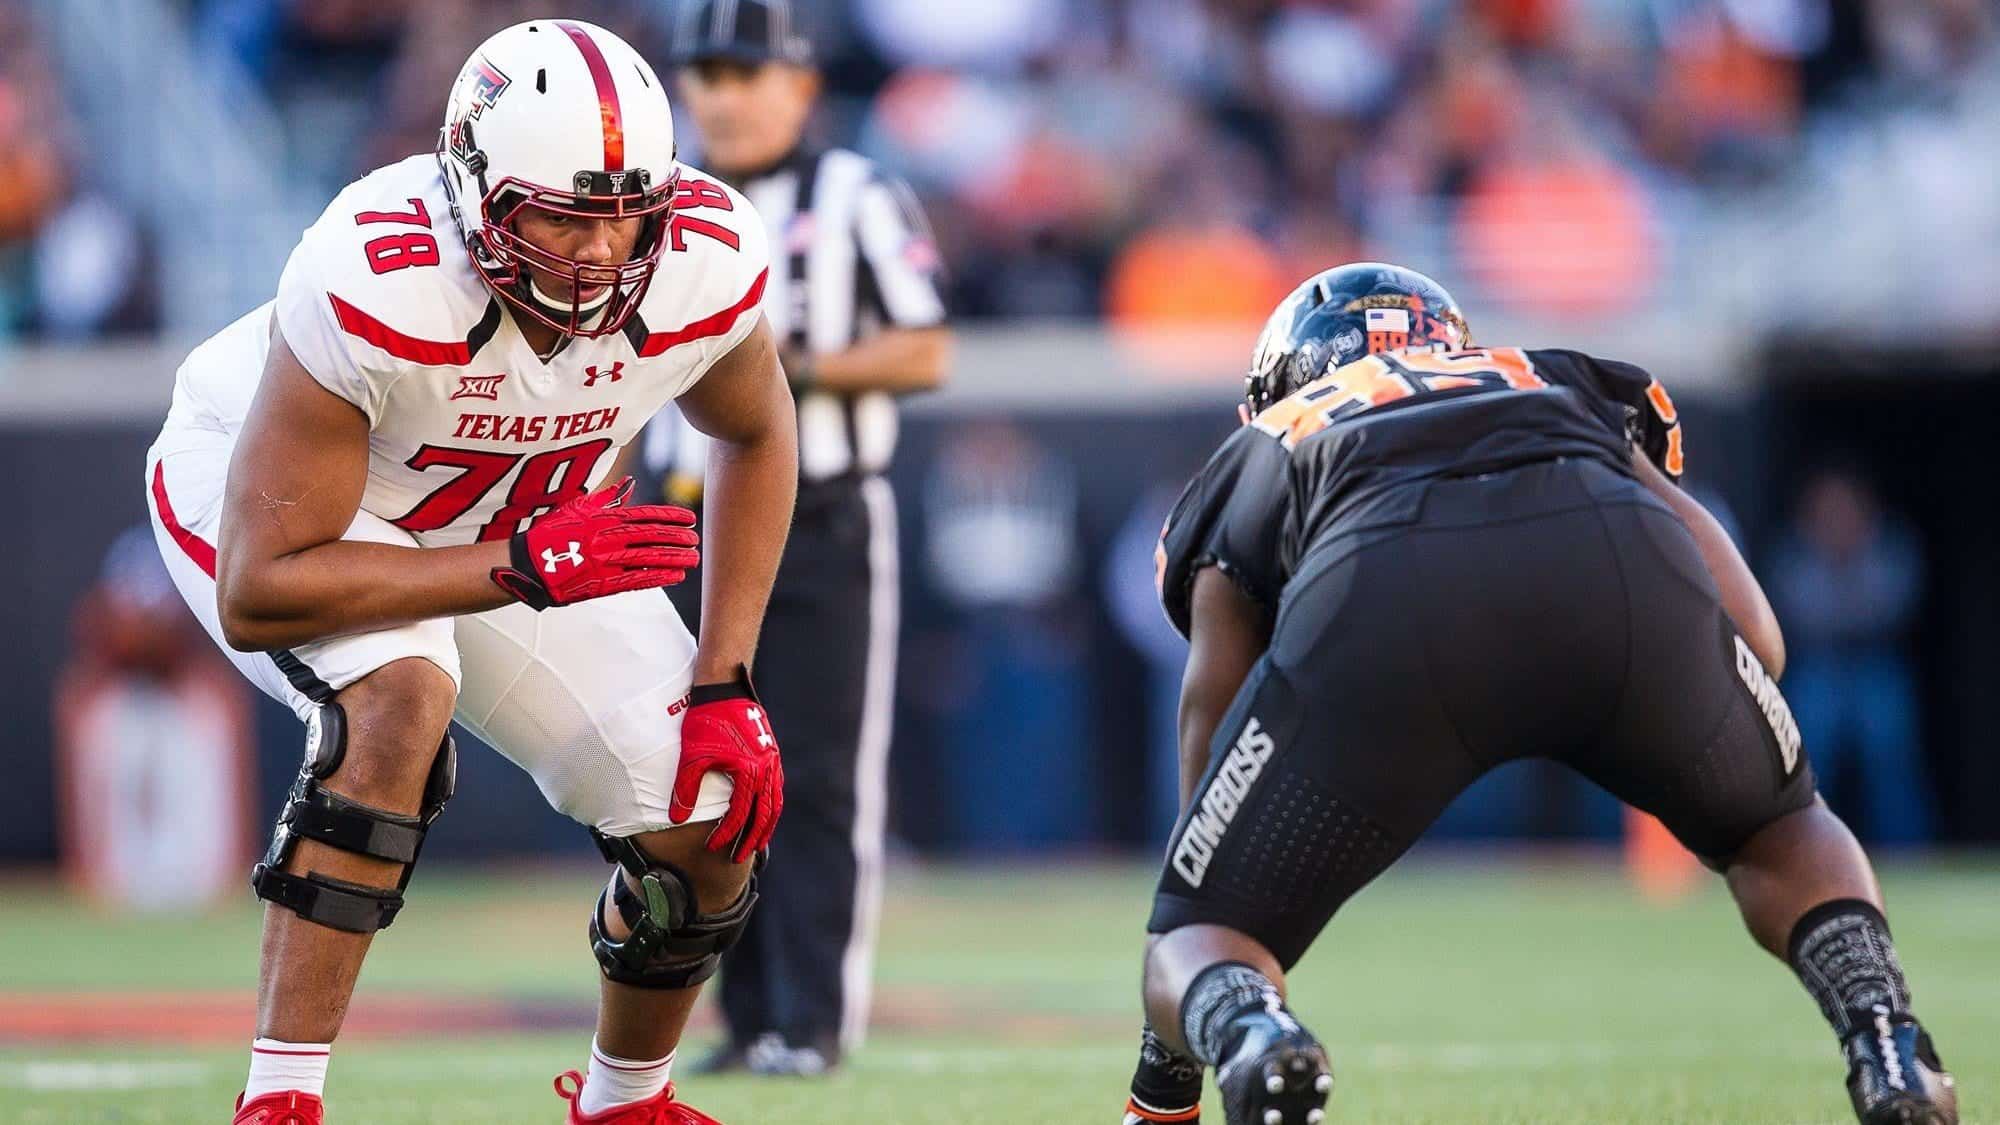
507	257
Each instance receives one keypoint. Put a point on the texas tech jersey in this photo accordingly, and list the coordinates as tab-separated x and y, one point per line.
470	432
1331	455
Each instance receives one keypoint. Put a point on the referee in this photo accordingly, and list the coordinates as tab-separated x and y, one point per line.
853	300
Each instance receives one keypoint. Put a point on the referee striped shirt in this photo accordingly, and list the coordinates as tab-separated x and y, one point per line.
851	255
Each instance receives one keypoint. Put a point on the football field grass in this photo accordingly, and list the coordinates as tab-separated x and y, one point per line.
1455	991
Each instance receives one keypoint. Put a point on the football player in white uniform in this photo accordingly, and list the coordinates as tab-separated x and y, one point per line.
375	491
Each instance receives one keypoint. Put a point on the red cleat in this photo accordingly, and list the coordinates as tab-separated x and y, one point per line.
660	1109
286	1107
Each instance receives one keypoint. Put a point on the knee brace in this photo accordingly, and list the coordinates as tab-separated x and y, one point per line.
671	944
313	813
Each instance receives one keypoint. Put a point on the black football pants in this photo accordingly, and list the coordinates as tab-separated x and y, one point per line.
1555	610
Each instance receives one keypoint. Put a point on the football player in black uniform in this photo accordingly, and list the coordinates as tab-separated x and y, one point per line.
1419	560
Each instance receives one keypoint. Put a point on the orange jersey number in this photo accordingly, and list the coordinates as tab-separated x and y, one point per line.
1676	459
1378	380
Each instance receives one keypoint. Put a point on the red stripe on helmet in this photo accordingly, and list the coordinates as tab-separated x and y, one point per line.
607	95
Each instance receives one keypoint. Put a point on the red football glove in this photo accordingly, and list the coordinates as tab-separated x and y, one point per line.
727	731
594	545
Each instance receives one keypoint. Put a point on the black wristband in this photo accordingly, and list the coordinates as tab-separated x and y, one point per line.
738	688
517	554
520	579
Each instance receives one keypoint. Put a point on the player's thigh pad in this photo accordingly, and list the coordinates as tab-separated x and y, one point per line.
184	490
1335	756
1705	740
1265	847
588	699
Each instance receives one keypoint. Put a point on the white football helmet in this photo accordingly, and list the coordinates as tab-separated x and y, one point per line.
565	116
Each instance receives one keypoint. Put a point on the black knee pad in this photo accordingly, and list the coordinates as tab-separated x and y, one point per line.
671	944
313	813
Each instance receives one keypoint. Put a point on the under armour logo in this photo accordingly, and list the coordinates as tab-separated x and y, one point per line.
764	736
573	556
614	373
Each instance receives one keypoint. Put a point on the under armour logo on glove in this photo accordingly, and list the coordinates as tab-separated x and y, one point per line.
724	731
764	735
641	547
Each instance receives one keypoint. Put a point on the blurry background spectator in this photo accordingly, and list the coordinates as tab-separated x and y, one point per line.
72	261
1169	161
32	175
1847	582
154	744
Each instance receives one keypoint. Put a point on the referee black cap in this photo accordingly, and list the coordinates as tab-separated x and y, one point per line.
749	31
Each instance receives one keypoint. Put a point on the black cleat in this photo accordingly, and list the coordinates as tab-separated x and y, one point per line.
1166	1087
1279	1075
1894	1076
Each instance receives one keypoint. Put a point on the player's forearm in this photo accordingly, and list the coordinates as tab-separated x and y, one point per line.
350	587
1199	716
898	360
1742	596
1228	635
750	491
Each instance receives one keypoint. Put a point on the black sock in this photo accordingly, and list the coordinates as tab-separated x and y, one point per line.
1166	1080
1214	1002
1842	952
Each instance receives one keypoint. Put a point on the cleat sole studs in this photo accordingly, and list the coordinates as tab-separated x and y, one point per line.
1315	1116
1323	1083
1274	1084
1274	1116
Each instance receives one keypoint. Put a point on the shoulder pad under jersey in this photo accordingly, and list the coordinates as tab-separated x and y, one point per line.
709	290
380	286
1652	422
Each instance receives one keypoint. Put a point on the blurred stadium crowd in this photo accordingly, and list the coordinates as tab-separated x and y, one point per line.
1085	157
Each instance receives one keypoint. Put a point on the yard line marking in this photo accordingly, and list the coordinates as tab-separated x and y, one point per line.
88	1074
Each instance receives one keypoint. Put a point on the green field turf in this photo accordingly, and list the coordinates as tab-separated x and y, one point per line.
1453	992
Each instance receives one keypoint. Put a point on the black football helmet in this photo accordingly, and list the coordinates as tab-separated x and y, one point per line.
1345	313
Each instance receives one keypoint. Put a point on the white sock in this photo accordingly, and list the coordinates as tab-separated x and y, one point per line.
276	1065
613	1081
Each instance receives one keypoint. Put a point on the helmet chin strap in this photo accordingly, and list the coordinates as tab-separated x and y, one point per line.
561	308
